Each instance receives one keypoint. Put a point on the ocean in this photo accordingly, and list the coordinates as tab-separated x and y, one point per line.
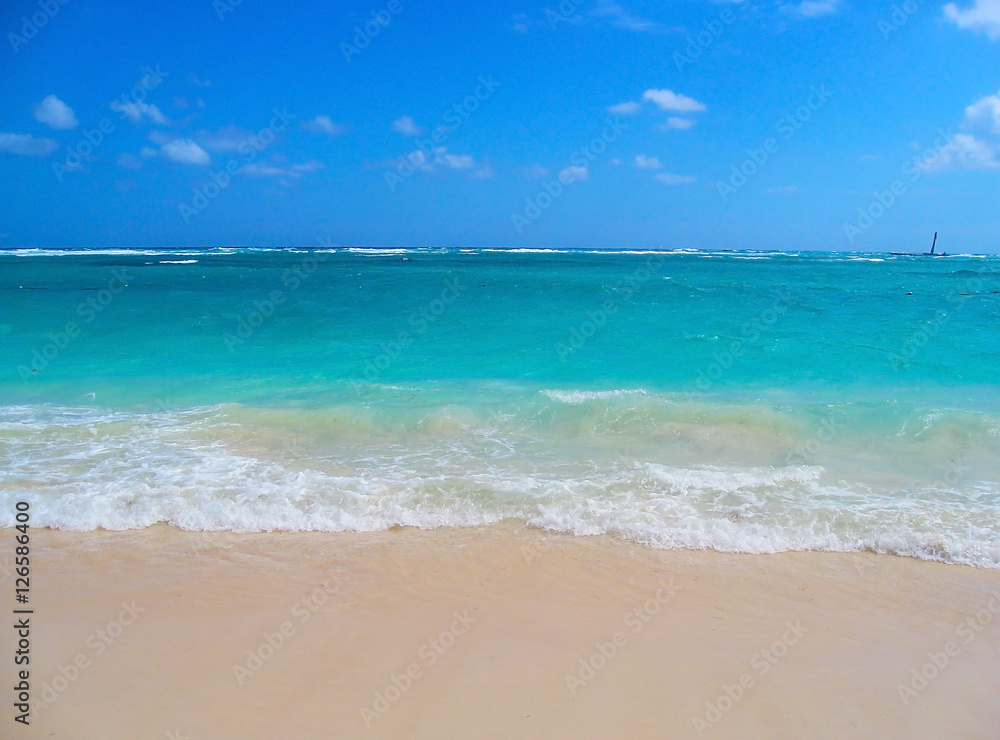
741	401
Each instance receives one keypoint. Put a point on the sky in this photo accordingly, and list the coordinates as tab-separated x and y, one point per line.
779	124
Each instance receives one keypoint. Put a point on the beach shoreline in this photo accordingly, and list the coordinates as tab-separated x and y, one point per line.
498	632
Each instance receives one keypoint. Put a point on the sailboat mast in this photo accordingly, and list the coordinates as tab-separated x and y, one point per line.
934	242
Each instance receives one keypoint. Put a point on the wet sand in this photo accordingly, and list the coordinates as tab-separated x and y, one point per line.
498	632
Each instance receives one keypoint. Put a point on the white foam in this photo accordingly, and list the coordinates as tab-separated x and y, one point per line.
684	480
528	250
577	397
98	252
197	469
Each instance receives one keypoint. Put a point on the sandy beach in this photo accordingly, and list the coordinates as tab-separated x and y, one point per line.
565	371
500	632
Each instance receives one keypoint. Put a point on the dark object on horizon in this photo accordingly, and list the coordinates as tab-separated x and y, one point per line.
931	253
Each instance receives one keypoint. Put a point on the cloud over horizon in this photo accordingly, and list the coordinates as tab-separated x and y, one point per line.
323	125
671	101
984	15
185	151
55	114
977	147
26	145
815	8
138	110
669	178
407	126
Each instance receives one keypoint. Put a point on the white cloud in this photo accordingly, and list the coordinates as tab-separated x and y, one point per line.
418	159
27	145
619	17
147	152
441	159
54	113
323	125
161	137
275	170
669	100
455	161
816	8
678	123
984	15
263	170
647	163
185	151
536	172
671	179
573	173
129	161
136	111
984	115
520	23
225	139
311	166
964	152
977	147
626	109
407	126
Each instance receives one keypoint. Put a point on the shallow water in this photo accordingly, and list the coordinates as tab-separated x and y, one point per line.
750	402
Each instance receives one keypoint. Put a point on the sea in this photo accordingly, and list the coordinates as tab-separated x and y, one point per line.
752	402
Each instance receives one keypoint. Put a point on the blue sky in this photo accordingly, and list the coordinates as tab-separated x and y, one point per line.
824	124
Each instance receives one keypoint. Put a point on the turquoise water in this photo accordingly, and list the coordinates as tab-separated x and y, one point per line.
752	402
